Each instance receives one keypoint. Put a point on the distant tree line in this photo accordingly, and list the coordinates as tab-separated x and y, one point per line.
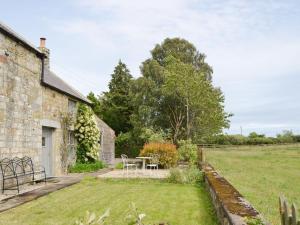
173	99
255	139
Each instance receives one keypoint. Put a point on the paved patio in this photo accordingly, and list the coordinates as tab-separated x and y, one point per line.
140	173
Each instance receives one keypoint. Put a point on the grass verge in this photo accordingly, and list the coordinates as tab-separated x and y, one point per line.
261	174
177	204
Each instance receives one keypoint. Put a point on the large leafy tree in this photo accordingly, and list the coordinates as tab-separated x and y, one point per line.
114	106
175	93
199	109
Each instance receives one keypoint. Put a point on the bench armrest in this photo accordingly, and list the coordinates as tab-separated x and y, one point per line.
39	168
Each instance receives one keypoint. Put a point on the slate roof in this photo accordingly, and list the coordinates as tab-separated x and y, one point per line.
53	81
49	78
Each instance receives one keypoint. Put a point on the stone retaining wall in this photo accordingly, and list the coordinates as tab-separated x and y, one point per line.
231	207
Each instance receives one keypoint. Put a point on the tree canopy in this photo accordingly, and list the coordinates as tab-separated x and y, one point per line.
114	106
175	93
174	96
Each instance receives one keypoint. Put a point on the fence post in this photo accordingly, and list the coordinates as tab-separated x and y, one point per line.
201	155
281	199
294	214
285	216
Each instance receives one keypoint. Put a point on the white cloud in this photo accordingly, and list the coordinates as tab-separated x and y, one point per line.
245	41
235	29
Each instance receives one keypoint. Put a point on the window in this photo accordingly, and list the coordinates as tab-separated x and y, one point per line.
71	139
43	142
72	106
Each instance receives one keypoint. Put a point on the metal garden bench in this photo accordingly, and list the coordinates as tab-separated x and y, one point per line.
19	171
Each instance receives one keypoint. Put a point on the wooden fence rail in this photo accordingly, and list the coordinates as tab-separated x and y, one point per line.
288	216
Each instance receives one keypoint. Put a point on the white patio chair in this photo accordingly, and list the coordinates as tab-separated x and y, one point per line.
127	165
154	161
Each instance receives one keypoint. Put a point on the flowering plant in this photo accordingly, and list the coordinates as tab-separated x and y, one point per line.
166	152
87	135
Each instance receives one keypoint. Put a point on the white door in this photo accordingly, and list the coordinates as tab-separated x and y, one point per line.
47	150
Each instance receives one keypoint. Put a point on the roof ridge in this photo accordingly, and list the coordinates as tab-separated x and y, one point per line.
19	37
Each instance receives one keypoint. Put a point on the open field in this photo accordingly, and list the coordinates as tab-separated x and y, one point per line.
160	201
261	174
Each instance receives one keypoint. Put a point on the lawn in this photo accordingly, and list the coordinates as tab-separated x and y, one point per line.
160	201
261	174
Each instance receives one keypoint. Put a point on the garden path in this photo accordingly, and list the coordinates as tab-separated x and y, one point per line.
140	173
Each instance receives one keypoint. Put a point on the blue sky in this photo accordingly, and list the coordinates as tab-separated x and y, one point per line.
253	47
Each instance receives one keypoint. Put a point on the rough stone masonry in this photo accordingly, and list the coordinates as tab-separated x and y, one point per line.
32	99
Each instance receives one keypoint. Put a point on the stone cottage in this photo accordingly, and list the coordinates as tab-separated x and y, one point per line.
32	102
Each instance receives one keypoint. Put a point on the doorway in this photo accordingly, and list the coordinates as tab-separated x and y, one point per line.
47	134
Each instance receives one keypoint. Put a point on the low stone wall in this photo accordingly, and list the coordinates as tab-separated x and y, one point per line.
231	207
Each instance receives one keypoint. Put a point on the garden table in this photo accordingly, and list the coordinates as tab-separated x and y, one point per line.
144	160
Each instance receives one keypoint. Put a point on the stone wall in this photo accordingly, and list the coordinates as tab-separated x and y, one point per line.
54	106
230	206
107	152
26	107
20	101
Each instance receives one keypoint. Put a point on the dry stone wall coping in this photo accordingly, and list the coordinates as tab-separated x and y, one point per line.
231	207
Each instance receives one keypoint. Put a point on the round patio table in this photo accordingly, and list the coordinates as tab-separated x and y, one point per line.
144	160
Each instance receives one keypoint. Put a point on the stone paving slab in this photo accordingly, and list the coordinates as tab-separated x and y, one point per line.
22	198
23	188
53	184
140	173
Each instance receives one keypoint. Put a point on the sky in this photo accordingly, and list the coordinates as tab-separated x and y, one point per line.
253	47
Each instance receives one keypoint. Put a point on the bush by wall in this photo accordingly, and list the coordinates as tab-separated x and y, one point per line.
130	143
166	152
187	152
86	167
191	175
127	144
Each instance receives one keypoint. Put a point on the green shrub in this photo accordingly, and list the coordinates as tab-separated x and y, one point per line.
86	167
287	136
175	176
190	175
254	139
297	138
151	135
167	153
187	151
119	166
129	144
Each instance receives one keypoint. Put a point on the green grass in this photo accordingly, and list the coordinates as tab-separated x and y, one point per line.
160	201
86	167
261	174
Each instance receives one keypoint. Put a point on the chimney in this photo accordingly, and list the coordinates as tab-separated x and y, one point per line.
46	51
42	42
